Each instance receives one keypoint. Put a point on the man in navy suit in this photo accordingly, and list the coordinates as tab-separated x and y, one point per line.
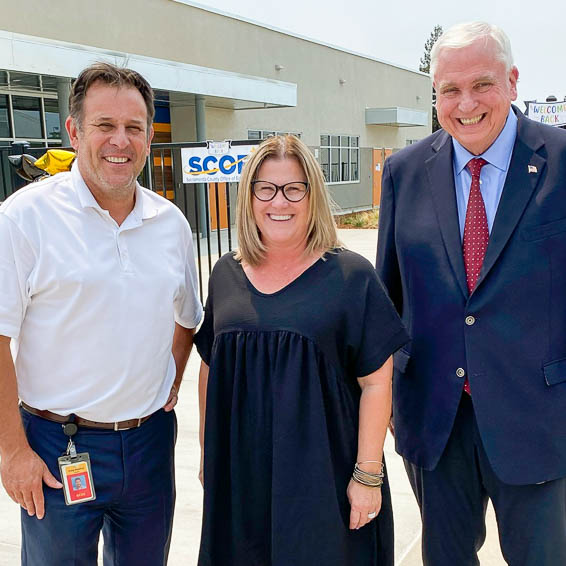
472	248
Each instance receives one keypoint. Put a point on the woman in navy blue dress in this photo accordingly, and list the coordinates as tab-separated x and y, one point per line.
295	383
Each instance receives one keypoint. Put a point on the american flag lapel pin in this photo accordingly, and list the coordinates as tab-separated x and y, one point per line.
532	169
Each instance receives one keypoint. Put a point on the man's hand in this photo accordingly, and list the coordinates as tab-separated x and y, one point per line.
23	474
181	349
172	399
22	470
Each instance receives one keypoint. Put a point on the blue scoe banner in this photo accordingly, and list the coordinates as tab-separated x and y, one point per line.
215	162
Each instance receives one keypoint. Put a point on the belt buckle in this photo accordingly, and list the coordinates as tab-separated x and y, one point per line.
117	425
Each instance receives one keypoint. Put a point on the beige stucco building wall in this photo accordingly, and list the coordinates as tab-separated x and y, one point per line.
334	87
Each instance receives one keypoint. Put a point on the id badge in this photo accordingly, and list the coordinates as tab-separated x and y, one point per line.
76	477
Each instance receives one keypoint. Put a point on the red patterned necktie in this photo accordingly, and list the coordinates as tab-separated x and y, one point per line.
476	231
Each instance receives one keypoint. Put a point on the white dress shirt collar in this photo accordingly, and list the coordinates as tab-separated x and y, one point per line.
144	208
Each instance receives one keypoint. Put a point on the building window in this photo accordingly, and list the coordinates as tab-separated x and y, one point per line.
49	84
264	134
52	126
4	117
27	116
411	142
24	81
340	158
29	109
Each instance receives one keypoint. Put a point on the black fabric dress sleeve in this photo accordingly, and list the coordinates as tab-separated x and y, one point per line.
376	326
204	338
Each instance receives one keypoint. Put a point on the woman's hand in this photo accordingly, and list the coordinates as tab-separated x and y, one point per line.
363	502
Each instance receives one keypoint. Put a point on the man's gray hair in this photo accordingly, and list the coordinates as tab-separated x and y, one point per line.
463	35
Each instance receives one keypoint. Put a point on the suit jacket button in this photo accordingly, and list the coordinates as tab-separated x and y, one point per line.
460	372
470	320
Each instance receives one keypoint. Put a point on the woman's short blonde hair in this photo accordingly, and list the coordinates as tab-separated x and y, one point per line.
321	230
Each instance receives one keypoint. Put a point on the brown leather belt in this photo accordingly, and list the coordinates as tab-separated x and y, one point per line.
79	421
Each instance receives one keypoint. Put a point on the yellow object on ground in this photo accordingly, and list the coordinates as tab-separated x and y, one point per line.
56	161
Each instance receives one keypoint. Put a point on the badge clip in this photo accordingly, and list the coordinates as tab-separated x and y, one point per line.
76	472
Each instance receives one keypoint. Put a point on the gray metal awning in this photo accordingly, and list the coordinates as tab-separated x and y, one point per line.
31	54
396	116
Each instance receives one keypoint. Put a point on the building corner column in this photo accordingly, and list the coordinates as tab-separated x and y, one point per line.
63	92
200	119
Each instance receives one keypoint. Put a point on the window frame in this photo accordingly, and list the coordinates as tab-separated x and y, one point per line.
335	142
40	93
264	134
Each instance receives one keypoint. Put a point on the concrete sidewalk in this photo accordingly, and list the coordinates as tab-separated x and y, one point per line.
186	532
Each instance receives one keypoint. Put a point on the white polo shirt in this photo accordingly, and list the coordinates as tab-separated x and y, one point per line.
91	305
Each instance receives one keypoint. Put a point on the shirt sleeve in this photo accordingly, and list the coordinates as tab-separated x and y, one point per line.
188	309
378	332
17	260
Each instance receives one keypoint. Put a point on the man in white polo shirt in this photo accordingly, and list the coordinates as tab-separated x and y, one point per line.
98	307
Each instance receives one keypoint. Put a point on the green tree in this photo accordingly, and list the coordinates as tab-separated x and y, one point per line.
425	68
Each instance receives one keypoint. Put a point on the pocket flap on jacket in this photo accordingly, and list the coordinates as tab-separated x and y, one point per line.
555	372
544	230
400	360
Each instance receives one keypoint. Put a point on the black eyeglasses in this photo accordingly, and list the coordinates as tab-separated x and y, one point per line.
294	191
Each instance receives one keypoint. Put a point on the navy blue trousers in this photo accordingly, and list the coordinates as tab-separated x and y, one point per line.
133	473
453	497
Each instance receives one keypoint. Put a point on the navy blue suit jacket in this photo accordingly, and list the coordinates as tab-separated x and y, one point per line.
514	354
